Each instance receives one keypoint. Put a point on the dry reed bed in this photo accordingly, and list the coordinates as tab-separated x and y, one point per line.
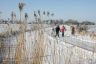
38	49
8	29
20	46
85	32
71	54
38	53
92	35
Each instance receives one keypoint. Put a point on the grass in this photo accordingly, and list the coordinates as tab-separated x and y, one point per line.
93	36
39	48
38	53
20	46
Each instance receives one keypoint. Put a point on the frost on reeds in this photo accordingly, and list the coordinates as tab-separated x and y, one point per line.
1	49
18	59
93	35
82	30
38	52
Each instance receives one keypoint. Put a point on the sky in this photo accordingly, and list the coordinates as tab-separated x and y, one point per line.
80	10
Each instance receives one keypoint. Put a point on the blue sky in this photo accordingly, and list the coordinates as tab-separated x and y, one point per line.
63	9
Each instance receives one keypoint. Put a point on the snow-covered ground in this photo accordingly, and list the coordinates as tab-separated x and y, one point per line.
71	50
8	27
56	50
92	28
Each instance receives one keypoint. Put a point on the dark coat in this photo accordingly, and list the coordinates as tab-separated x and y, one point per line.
57	29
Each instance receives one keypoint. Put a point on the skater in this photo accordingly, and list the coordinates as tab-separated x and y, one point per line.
62	30
57	31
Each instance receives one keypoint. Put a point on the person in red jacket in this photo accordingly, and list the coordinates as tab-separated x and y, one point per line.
62	30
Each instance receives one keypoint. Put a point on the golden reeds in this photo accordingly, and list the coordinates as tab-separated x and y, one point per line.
20	46
93	36
39	48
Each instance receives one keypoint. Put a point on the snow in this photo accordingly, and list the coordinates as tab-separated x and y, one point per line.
5	27
67	52
72	49
92	28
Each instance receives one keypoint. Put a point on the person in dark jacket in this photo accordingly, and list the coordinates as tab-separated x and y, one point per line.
72	30
57	30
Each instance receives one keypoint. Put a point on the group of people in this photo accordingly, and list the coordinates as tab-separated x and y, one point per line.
58	29
62	29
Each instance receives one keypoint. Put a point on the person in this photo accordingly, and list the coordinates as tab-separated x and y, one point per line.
57	31
72	30
62	30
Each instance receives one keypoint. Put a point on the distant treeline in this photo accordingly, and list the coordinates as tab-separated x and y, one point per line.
70	21
74	22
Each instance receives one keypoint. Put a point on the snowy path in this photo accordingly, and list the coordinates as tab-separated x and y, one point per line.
80	41
67	49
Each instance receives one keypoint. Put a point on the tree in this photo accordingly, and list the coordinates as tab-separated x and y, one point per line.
12	16
48	13
87	23
71	21
61	21
0	14
21	6
52	14
44	13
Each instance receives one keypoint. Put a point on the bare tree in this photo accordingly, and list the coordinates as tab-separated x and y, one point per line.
52	17
48	13
12	16
44	13
0	14
52	14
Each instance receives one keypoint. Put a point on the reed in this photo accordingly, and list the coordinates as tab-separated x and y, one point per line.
93	36
39	48
20	46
